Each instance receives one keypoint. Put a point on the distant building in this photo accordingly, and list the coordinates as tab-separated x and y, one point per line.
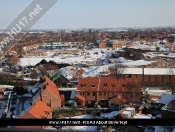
116	44
98	44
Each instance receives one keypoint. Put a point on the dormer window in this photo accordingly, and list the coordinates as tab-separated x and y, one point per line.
112	86
93	85
105	85
44	87
123	86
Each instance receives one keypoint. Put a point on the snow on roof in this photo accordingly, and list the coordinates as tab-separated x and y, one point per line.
112	114
126	112
162	129
142	116
158	91
68	89
120	59
129	108
149	129
6	86
34	90
173	130
48	128
158	116
149	71
166	98
26	95
73	93
170	106
2	111
30	79
36	95
138	63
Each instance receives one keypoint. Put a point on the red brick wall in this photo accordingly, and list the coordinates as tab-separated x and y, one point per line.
159	79
173	79
153	79
146	78
102	44
47	96
166	79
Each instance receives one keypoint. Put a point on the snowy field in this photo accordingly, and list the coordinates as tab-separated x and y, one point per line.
97	60
150	47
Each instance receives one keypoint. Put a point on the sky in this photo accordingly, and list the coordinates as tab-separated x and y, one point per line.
77	14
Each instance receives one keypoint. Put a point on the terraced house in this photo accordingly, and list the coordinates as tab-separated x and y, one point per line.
108	91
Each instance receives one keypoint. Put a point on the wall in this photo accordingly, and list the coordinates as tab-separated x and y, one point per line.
48	97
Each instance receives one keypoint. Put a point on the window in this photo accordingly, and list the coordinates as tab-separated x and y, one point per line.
84	85
123	86
105	85
130	76
81	85
88	94
104	94
100	93
93	85
93	94
112	86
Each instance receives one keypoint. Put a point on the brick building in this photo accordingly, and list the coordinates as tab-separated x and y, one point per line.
100	44
38	110
116	44
108	91
48	93
157	76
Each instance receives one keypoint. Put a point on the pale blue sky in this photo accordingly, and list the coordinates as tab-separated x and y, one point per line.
73	14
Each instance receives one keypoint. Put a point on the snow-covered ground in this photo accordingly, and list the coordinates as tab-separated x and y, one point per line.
150	47
157	91
142	116
6	86
97	61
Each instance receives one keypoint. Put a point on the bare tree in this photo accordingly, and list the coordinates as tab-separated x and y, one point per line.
117	69
51	68
77	73
13	61
20	50
44	71
34	75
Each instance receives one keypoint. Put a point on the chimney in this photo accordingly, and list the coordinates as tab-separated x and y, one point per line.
34	104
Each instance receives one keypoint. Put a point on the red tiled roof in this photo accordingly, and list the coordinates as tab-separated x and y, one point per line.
42	105
39	110
109	80
121	98
80	97
52	87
